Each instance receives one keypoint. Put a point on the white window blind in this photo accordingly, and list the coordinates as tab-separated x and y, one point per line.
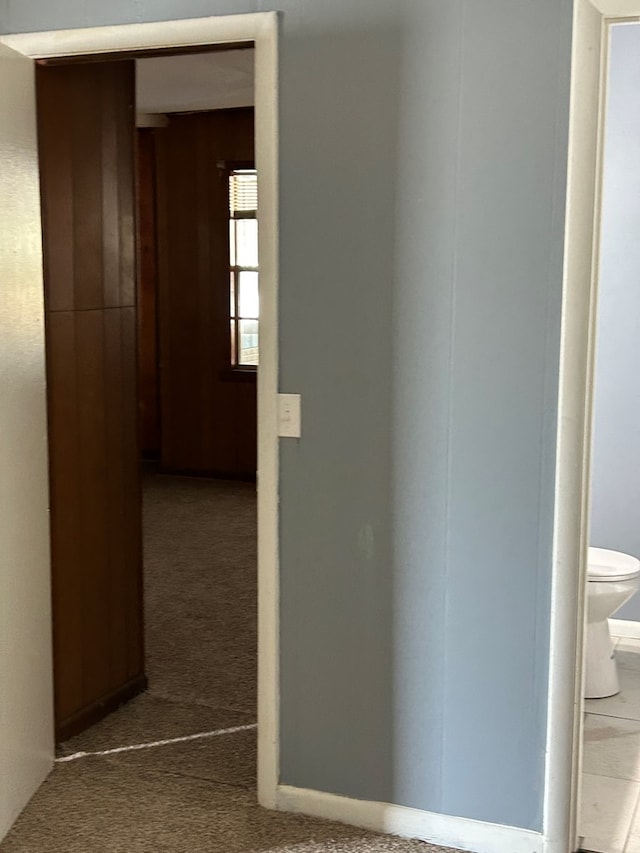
243	193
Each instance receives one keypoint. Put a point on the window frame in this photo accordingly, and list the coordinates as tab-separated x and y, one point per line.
235	370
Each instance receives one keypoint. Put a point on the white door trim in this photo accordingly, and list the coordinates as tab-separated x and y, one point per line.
262	29
572	498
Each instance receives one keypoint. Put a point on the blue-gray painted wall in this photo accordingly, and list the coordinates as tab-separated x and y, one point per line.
615	481
423	152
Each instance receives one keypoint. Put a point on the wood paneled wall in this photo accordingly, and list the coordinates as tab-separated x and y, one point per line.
208	416
147	295
86	137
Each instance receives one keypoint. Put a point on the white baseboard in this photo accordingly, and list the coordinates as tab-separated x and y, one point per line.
458	832
624	628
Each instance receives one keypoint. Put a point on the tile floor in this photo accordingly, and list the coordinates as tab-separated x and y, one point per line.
610	808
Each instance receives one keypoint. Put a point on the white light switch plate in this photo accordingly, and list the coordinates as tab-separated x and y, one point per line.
289	415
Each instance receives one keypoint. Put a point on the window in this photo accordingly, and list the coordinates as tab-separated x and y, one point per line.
243	262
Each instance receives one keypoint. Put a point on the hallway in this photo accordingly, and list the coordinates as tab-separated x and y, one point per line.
195	794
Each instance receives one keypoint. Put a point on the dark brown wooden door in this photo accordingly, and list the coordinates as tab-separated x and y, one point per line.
86	138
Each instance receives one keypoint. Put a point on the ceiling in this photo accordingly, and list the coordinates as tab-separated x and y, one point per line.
198	81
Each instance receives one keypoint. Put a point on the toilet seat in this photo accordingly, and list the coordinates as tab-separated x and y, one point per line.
607	566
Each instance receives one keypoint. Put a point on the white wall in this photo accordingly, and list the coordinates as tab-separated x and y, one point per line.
26	689
615	519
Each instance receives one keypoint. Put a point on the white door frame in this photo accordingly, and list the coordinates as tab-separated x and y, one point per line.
592	19
262	29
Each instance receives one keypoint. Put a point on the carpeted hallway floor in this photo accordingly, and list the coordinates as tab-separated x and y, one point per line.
196	795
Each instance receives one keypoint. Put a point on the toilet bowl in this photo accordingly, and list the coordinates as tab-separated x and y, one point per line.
612	578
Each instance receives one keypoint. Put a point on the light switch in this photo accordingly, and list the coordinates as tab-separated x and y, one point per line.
289	415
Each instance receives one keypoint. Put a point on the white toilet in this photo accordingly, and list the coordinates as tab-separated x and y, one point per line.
613	578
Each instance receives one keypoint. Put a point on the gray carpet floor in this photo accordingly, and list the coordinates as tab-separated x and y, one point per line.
197	795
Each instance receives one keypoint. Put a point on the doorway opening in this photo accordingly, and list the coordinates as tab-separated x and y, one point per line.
140	157
582	809
611	736
113	327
